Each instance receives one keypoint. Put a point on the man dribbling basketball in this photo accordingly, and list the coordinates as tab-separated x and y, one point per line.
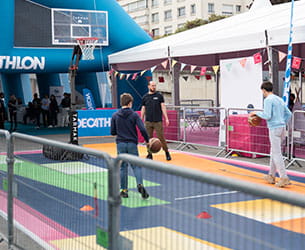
153	108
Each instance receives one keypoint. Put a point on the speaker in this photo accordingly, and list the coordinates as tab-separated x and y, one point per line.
61	154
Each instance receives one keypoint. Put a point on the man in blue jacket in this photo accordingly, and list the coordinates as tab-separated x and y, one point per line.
277	115
123	125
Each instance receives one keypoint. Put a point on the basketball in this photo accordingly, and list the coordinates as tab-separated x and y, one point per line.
154	145
254	120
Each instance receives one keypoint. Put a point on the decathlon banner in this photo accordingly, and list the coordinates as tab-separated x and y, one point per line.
288	62
89	100
94	122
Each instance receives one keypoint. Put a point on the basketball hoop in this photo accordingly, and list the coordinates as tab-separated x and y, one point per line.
87	45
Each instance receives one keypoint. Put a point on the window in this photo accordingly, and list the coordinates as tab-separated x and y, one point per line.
166	2
154	3
141	19
180	25
155	17
167	15
238	8
181	11
136	6
155	32
211	8
193	9
227	9
168	30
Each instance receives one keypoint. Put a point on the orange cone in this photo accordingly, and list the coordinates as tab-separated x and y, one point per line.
86	208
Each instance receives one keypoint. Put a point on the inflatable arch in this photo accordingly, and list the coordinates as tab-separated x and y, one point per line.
28	47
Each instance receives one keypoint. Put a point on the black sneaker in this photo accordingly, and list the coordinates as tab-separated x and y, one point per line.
124	193
168	156
143	192
149	156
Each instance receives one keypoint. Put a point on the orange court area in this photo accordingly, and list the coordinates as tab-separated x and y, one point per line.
186	160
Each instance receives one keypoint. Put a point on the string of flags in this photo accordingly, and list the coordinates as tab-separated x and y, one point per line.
169	63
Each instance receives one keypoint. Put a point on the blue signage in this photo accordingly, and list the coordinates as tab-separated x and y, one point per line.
89	100
94	122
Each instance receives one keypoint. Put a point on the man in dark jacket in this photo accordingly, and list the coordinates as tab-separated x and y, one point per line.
123	125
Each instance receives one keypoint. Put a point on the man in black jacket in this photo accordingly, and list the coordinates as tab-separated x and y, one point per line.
123	125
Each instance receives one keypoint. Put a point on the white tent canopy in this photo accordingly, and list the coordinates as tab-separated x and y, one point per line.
241	32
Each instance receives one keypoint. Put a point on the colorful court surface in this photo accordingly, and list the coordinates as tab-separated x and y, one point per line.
63	204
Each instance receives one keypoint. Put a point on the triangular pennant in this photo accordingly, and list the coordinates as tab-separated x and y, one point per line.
197	77
111	71
203	70
152	69
127	76
121	76
229	66
215	68
142	72
182	66
257	58
282	55
208	77
243	62
116	73
174	62
296	62
164	64
193	67
185	78
134	76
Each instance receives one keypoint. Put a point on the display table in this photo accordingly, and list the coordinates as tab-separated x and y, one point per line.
242	136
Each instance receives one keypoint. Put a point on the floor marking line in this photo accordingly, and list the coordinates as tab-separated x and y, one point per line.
205	195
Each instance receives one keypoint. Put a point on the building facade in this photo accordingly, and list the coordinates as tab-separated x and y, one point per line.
164	17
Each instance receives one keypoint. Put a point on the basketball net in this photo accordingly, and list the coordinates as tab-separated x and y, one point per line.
87	46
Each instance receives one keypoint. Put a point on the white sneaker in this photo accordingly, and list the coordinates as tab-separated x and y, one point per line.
283	182
269	178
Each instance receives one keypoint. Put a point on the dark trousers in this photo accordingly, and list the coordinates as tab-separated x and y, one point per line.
158	126
13	120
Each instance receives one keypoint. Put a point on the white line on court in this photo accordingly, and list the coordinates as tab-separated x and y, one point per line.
204	195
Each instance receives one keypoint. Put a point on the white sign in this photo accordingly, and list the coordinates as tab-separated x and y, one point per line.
18	62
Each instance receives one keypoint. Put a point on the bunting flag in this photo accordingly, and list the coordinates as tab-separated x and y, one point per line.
203	71
182	66
215	68
164	64
116	73
197	77
193	67
121	76
127	76
161	79
282	55
286	90
257	58
134	76
142	72
229	66
185	78
152	69
174	62
208	77
243	62
296	62
111	71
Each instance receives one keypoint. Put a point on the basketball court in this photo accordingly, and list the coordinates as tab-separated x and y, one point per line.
180	214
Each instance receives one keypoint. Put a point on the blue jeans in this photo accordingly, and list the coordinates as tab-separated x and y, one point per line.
129	148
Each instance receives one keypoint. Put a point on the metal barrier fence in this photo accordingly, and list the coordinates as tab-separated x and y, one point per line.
190	209
193	126
55	205
297	135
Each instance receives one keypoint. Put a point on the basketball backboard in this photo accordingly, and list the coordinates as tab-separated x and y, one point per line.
70	24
